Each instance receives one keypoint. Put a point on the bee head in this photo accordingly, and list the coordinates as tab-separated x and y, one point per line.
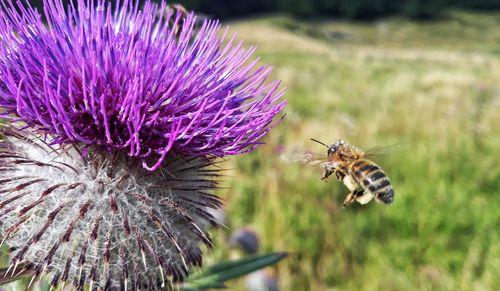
335	146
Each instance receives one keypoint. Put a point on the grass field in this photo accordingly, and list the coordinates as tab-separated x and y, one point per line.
432	87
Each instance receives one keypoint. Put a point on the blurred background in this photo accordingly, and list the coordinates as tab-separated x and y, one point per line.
422	74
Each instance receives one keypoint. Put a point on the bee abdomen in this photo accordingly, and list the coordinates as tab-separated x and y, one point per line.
372	178
363	168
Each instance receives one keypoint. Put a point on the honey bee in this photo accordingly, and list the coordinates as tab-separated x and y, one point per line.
364	179
180	14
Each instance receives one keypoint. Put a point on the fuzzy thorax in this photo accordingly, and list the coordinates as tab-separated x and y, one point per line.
89	215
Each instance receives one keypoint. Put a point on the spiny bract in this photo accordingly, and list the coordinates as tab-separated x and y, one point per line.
102	218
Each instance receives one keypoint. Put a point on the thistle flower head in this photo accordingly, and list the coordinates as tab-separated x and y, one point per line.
116	116
142	81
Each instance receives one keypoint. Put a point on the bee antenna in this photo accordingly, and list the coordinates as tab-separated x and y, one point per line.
320	142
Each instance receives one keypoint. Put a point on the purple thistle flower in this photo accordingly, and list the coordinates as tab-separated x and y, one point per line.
145	82
116	117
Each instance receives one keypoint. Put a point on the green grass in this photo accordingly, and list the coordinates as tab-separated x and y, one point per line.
432	87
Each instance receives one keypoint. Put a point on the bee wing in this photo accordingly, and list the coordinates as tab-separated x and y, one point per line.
306	158
384	150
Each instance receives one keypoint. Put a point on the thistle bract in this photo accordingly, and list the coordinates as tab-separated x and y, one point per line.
102	218
116	116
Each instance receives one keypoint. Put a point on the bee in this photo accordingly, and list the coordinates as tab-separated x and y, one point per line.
364	179
180	14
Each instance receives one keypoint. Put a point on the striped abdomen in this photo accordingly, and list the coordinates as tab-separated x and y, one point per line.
373	179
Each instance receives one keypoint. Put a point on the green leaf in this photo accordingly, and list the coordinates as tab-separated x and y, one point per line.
6	277
216	275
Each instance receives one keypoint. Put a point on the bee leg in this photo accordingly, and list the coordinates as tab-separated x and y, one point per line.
339	174
351	197
329	170
326	174
359	192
